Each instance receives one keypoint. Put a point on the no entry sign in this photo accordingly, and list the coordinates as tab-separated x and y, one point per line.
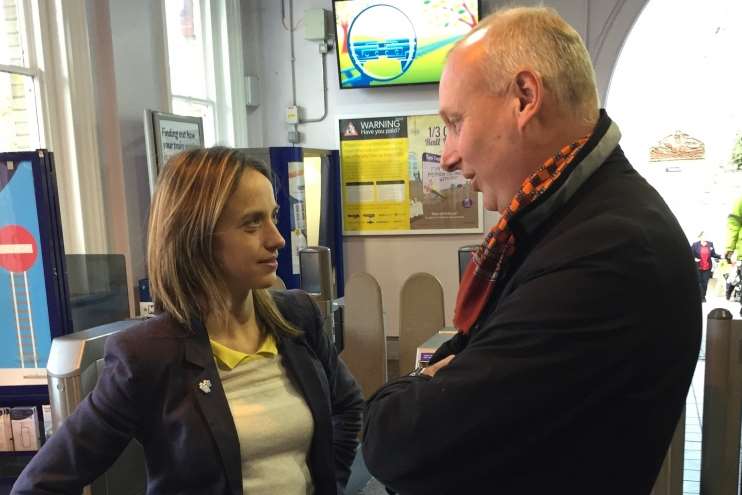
18	248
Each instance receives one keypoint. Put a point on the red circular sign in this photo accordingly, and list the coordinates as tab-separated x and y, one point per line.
18	249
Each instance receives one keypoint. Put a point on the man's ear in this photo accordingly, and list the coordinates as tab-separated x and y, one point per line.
529	90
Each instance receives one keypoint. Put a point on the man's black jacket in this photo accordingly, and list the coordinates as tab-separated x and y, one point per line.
573	379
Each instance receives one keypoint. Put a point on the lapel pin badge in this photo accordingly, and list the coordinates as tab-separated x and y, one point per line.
205	386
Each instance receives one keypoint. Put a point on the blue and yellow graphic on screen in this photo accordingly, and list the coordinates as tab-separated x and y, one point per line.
393	42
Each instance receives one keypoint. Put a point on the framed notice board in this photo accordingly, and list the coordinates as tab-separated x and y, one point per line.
167	134
392	182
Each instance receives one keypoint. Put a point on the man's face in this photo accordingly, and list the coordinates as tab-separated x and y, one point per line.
482	139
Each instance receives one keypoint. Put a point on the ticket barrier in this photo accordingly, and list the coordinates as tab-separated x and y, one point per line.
722	405
75	362
464	256
317	279
426	350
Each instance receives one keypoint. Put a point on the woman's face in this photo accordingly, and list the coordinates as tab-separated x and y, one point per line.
246	238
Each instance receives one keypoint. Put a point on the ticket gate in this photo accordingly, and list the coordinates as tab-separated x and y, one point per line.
75	361
318	280
465	254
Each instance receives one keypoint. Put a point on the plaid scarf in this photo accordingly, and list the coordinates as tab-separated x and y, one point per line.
491	258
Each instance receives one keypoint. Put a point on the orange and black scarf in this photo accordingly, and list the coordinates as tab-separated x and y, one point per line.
491	258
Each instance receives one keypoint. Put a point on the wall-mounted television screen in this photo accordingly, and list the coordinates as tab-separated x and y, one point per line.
398	42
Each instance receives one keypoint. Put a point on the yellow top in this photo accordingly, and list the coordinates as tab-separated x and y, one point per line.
228	358
273	422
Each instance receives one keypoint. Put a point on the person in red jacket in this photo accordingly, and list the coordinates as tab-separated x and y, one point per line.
703	252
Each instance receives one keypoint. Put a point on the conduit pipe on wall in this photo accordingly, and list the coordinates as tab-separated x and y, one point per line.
324	47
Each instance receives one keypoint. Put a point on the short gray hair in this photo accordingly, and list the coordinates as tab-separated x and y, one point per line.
539	39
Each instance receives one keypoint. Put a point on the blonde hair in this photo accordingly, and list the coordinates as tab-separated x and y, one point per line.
184	276
537	38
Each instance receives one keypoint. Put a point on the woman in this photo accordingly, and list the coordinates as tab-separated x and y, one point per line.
230	388
704	251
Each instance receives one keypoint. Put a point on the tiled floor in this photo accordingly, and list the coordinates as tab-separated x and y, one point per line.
693	421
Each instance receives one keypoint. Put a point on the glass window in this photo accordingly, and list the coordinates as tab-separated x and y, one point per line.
186	48
13	48
19	118
190	61
203	109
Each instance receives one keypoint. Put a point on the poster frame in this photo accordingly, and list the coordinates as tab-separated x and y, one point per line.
479	229
153	139
15	382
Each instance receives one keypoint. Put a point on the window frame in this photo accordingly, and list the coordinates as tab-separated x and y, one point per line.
61	52
30	34
222	37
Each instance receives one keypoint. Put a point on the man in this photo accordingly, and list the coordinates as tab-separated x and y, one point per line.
580	317
734	240
704	254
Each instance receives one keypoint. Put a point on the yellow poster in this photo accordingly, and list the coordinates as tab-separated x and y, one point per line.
438	199
392	182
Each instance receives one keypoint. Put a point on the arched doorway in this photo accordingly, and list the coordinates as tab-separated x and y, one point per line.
677	71
673	94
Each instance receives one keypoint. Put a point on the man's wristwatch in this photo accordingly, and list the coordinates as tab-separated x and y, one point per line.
417	371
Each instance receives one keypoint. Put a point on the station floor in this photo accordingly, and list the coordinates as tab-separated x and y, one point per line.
693	423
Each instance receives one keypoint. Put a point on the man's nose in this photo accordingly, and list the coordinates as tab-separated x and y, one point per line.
451	160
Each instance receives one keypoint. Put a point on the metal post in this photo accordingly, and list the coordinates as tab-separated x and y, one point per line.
315	266
722	404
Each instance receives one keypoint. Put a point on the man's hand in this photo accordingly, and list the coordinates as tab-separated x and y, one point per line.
433	368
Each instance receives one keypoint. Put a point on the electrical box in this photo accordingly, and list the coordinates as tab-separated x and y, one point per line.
292	114
316	24
252	96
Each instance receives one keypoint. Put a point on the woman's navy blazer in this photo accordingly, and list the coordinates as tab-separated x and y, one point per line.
149	390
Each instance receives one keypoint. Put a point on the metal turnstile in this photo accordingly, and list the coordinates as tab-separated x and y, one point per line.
75	361
722	405
464	256
317	279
